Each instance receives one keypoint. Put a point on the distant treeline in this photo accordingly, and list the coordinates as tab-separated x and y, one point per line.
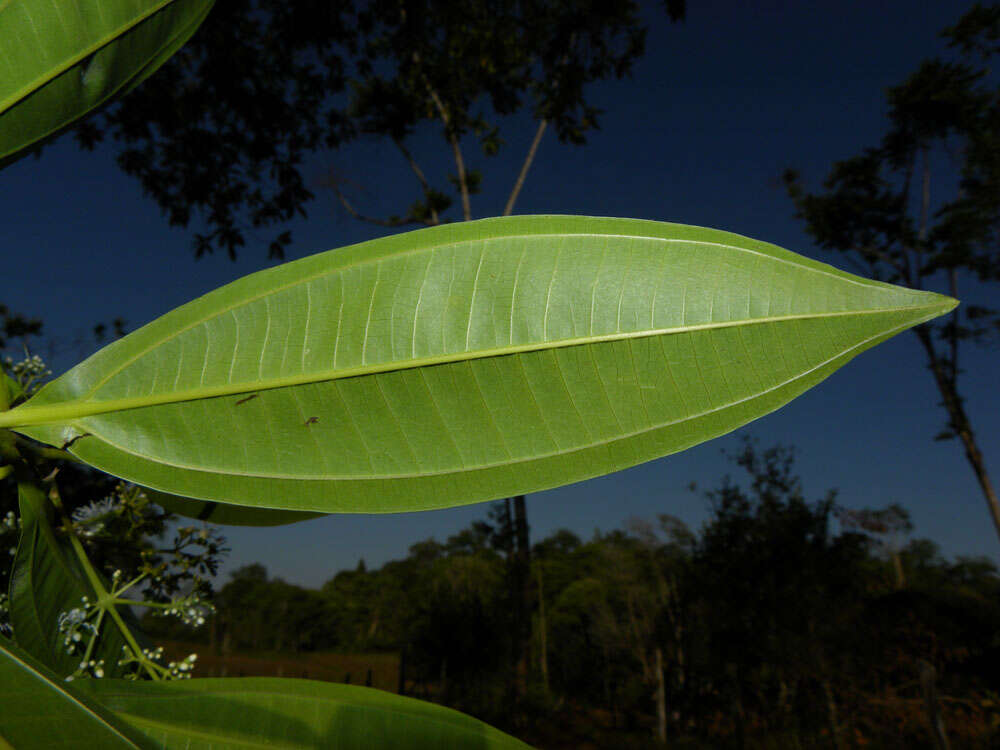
766	629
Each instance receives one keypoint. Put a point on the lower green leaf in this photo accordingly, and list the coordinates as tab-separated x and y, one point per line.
226	514
39	710
263	712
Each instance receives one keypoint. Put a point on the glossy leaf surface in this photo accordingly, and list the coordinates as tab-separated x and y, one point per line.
465	363
259	712
46	580
59	60
40	710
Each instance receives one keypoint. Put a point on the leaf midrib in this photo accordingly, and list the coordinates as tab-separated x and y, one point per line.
28	415
861	345
370	260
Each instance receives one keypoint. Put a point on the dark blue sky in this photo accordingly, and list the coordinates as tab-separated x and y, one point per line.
699	135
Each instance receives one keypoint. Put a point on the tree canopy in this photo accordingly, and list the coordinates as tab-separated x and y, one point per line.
221	134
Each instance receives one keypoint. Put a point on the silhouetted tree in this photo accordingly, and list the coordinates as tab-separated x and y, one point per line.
884	210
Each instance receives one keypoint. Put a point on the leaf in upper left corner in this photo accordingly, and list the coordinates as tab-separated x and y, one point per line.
60	60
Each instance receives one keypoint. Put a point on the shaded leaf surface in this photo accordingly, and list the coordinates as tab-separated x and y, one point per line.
227	514
465	363
59	60
40	710
258	712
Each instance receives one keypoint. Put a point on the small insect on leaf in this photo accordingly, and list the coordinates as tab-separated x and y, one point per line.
251	397
311	420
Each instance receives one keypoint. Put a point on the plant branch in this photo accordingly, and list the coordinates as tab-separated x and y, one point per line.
925	202
873	252
959	422
463	181
401	222
509	208
104	600
420	176
953	291
93	638
907	270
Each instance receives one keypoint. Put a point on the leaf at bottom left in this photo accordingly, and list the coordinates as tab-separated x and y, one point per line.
38	709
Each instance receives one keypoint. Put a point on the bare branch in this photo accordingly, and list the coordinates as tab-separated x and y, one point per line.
420	176
953	291
463	181
397	222
925	201
509	208
870	253
908	275
959	423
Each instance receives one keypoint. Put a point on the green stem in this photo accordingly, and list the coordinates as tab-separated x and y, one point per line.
28	415
127	586
6	471
93	638
104	600
155	605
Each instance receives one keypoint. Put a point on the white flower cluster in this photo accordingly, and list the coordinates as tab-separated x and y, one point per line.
4	614
153	655
94	515
28	368
8	524
175	670
181	670
75	625
191	609
92	668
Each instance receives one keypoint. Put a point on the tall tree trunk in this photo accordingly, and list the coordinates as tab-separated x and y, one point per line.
661	699
945	368
959	423
543	634
897	565
521	591
831	707
928	676
401	688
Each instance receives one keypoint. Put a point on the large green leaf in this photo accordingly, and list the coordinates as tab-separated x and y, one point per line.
265	712
40	710
46	580
59	60
464	363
